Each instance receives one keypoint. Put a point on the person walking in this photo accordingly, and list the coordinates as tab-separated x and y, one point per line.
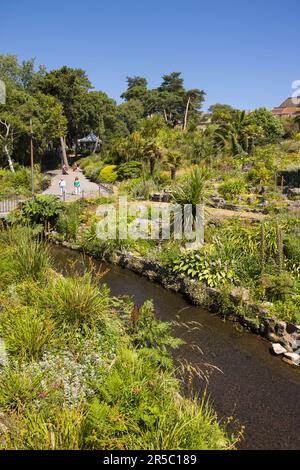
63	188
65	170
77	185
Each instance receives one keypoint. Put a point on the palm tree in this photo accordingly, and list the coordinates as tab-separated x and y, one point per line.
238	134
174	159
152	152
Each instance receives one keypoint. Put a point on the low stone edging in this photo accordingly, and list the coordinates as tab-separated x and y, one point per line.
278	332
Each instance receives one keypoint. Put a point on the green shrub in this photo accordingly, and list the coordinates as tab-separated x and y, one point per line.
26	332
40	210
53	428
292	247
30	256
211	271
147	331
69	221
19	386
278	287
232	188
78	301
143	189
108	174
129	170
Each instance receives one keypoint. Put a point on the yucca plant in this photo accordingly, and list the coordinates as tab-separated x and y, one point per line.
193	191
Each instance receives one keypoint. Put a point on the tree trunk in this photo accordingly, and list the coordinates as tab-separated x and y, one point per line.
152	163
96	145
10	163
165	116
173	173
63	151
186	114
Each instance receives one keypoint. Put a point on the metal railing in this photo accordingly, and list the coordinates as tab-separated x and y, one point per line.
9	204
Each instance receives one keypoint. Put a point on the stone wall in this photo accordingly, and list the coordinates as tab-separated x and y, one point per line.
254	317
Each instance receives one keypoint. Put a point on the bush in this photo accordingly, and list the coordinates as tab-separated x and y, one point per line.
108	174
129	170
278	287
292	247
78	301
19	386
20	181
69	221
143	189
53	428
40	210
212	272
232	188
26	332
30	257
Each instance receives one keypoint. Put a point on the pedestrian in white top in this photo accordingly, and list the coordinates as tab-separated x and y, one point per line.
63	187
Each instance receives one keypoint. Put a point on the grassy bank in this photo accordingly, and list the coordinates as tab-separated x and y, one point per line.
84	370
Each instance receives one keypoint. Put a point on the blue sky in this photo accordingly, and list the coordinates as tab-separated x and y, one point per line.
244	53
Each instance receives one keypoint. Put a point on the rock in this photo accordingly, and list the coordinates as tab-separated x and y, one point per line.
278	349
247	166
296	344
218	201
295	358
264	190
291	328
281	328
293	192
240	294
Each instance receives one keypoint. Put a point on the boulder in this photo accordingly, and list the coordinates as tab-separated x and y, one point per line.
278	349
293	192
240	294
295	358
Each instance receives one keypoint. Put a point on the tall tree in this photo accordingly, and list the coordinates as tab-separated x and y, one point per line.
136	89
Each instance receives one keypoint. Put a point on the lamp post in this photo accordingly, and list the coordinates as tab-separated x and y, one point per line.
31	157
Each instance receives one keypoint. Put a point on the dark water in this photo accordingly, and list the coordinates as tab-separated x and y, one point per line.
257	389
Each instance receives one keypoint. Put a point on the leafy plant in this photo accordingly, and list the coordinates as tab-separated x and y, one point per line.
232	188
26	333
78	301
208	270
108	174
40	210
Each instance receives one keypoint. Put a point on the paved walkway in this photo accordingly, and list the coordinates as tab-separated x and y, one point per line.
88	189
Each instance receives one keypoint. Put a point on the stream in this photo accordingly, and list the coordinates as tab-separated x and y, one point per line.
248	383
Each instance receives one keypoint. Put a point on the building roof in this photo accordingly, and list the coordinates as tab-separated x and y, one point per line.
91	138
291	103
286	111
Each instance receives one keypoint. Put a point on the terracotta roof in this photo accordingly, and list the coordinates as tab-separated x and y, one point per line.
287	111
